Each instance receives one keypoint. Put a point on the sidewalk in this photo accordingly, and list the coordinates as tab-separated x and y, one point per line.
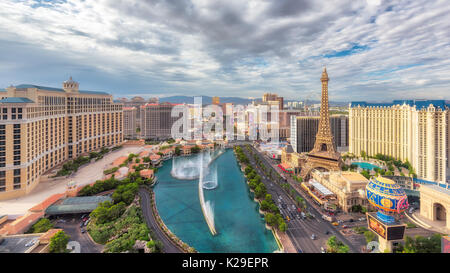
85	175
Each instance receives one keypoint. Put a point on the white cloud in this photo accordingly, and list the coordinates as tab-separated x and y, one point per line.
231	48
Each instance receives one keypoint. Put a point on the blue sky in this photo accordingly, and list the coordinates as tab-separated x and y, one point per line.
374	50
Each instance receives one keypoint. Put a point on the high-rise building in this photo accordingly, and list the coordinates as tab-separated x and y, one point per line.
137	102
216	100
269	98
41	127
413	130
129	122
156	120
304	130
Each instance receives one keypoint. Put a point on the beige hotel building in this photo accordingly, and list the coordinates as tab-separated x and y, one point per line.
41	127
413	130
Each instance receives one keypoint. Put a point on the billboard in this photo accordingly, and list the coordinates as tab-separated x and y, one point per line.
376	226
395	232
387	232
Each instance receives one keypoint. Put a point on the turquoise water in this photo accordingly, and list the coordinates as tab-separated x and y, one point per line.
365	165
239	225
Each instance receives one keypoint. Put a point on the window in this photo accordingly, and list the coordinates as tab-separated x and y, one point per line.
17	172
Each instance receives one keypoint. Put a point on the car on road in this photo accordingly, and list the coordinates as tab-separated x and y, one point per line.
30	243
327	232
83	230
313	237
287	218
81	224
322	250
335	224
344	226
362	219
351	220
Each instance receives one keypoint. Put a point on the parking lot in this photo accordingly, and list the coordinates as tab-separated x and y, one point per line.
74	226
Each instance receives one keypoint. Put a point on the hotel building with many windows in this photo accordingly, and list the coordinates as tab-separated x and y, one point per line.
42	127
413	130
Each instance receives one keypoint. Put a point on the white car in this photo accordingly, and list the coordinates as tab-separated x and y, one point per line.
30	243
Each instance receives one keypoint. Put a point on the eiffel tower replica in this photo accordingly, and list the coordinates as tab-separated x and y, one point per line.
324	153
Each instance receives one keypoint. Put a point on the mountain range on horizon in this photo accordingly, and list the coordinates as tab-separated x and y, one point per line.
234	100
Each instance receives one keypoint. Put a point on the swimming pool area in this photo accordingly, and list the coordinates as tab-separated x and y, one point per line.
366	165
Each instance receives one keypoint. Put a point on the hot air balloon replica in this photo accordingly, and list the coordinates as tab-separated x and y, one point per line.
391	201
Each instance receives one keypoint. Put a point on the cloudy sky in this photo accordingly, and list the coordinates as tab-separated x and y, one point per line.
374	50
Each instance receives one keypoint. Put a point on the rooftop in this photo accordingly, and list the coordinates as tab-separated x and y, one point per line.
419	104
25	86
77	205
437	188
321	188
16	100
354	177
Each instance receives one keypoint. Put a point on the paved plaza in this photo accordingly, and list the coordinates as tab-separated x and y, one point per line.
86	174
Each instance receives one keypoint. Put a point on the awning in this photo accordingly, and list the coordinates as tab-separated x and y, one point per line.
286	168
321	188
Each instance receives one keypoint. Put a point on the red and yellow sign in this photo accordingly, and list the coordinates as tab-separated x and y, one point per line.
376	226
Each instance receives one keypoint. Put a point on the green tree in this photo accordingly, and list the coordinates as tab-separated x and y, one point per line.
58	243
422	244
260	190
369	235
43	225
336	246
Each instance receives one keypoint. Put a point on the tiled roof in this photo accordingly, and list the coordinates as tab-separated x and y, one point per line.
24	86
16	100
47	202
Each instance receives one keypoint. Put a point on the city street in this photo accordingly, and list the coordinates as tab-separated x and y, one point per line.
168	245
299	230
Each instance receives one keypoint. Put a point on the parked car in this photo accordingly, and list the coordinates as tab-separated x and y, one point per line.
30	243
83	230
81	224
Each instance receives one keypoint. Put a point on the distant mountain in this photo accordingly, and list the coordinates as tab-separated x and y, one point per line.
205	100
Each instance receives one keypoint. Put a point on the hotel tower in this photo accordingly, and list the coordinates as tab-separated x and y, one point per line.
413	130
42	127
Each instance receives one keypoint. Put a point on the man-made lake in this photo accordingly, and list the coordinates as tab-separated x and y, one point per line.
240	227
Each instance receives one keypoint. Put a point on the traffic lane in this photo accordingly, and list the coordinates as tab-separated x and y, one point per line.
313	211
168	245
301	238
298	237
